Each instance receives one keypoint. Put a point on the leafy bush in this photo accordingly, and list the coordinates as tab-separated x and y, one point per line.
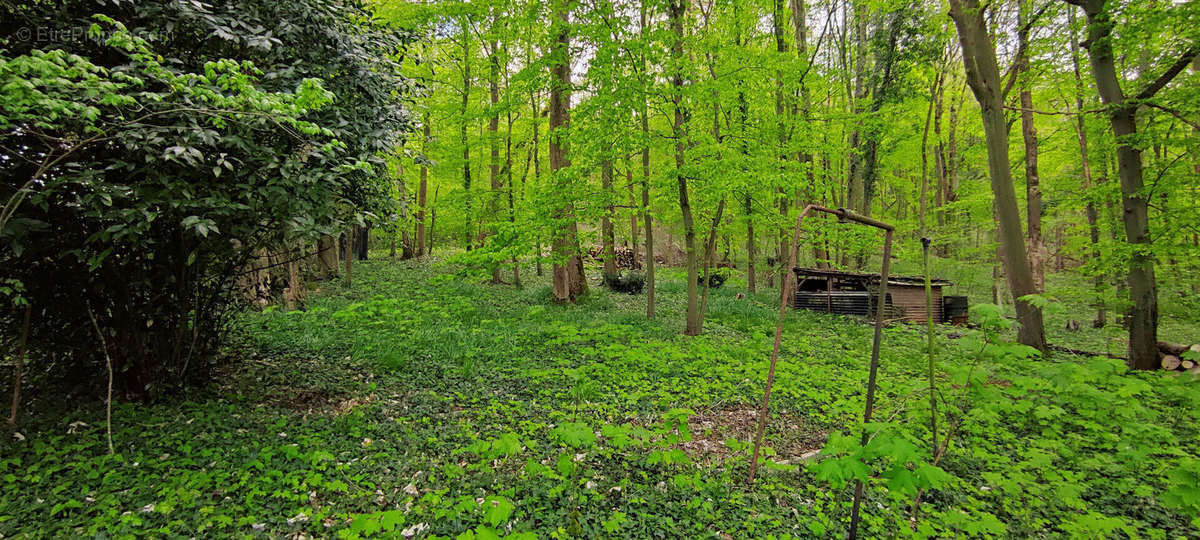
142	175
628	282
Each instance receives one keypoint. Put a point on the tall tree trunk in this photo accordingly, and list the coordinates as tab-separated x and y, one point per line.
983	75
466	147
508	171
939	154
494	143
1033	190
1086	169
1143	287
567	270
349	253
924	204
406	245
781	46
647	222
710	249
854	191
677	9
422	189
748	202
537	168
750	278
633	220
607	235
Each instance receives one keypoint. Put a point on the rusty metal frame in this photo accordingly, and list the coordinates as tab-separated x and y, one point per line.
843	216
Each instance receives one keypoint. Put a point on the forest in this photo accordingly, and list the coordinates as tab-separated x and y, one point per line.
600	269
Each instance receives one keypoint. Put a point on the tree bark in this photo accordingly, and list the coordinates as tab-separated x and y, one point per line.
983	76
327	256
349	253
1086	169
19	367
422	190
633	220
567	270
709	253
1033	190
647	222
607	235
1122	115
494	143
677	8
466	147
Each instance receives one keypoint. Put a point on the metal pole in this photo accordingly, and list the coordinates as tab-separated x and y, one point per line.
786	287
929	332
879	314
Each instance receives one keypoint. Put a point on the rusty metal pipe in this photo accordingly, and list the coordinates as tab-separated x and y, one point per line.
879	315
785	287
842	215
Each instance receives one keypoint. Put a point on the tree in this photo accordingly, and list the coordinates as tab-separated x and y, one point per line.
1122	115
160	167
569	281
983	76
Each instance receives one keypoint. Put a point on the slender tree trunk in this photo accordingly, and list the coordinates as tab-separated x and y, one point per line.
1143	287
939	155
537	170
1086	169
633	220
750	277
924	205
647	222
983	75
508	171
294	294
951	187
494	143
781	47
607	235
19	367
350	234
406	244
679	132
1033	190
466	147
422	189
710	252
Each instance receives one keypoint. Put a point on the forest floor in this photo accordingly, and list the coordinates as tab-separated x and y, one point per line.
417	404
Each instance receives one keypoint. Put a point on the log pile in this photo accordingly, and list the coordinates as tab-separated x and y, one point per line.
1176	357
625	256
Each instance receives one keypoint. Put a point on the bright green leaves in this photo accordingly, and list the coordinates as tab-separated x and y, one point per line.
1184	490
574	434
888	455
497	510
507	445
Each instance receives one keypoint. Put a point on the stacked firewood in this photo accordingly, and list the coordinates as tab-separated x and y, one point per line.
1176	357
624	256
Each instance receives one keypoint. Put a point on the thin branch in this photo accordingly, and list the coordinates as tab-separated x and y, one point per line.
108	364
1180	64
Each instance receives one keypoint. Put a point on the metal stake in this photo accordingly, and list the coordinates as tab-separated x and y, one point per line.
879	311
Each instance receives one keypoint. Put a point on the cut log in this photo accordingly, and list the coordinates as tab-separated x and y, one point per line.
1170	362
1195	348
1186	365
1173	349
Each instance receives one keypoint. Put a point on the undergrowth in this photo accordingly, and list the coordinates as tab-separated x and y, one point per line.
418	405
